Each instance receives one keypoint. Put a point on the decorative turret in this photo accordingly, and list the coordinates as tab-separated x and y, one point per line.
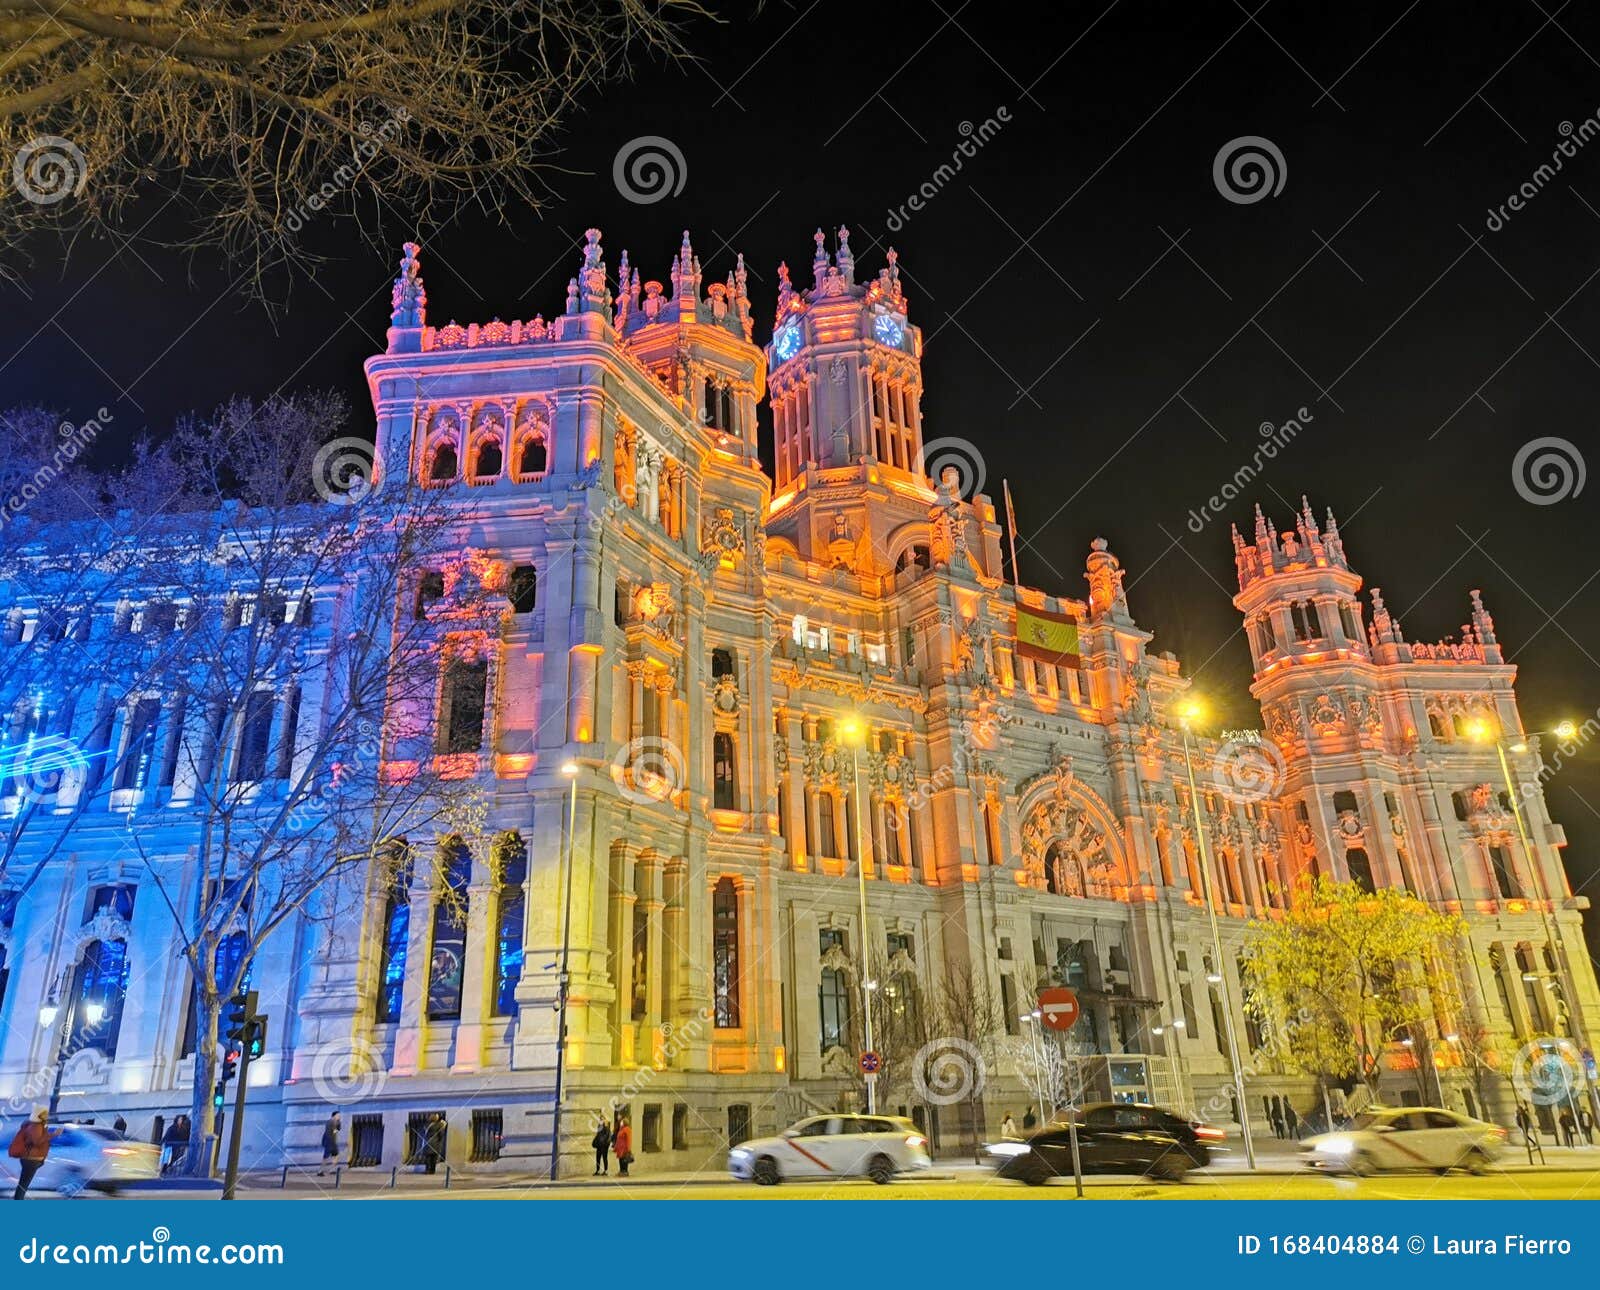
1104	575
408	303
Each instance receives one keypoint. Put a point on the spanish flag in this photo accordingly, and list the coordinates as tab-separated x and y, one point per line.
1047	638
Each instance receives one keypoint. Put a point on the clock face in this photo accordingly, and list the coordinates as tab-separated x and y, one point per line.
888	330
786	343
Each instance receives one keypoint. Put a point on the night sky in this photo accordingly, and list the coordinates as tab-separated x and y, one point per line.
1103	325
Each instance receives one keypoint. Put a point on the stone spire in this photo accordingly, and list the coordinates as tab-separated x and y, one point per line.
593	295
1104	575
741	297
819	261
845	260
409	300
627	293
1482	623
786	295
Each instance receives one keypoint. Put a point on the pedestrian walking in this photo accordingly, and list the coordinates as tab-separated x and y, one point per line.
601	1142
120	1125
1569	1128
623	1145
1291	1120
1586	1126
29	1149
330	1143
1524	1122
1028	1119
1275	1114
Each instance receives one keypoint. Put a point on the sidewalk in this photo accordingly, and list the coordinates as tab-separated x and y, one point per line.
1278	1155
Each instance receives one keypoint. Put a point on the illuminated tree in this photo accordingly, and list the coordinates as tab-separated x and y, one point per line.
259	116
1345	973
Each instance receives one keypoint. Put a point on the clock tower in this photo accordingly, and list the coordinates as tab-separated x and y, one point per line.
846	393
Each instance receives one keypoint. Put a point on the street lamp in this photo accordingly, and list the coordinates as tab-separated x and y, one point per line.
852	732
1482	732
1190	712
1036	1039
563	979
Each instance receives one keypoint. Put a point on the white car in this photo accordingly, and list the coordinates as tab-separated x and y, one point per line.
88	1156
1408	1137
834	1146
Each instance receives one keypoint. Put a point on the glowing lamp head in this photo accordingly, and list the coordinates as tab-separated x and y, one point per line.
569	769
853	731
96	1012
1566	731
1190	711
48	1015
1478	730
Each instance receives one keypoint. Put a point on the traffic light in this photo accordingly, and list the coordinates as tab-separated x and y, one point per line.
256	1037
219	1095
240	1012
230	1065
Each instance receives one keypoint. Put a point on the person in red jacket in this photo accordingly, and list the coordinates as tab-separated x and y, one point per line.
29	1149
622	1147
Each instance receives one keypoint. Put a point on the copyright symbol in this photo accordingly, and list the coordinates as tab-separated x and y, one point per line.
1414	1244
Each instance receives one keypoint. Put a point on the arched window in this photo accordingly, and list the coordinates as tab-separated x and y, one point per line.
430	588
724	773
1437	725
914	557
490	459
1347	620
448	955
1057	874
99	988
721	663
833	1004
725	953
396	940
991	832
444	466
1302	614
535	457
510	901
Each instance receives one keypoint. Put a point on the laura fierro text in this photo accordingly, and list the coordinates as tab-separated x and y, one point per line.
1511	1243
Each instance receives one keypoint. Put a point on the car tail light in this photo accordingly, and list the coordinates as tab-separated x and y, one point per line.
915	1140
1206	1133
1500	1135
118	1151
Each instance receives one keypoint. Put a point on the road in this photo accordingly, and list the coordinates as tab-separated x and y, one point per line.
1546	1184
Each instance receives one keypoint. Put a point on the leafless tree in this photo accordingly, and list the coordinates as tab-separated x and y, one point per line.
254	118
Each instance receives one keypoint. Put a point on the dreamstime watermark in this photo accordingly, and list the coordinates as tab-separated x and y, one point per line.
49	169
44	768
160	1250
674	1040
1548	470
649	770
1274	439
1572	138
649	169
74	440
948	1070
372	141
348	1071
1249	169
960	455
1248	769
342	470
973	138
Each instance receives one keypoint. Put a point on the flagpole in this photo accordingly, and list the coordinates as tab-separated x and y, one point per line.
1011	530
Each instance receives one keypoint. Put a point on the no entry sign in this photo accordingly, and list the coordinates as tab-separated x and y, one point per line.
1058	1007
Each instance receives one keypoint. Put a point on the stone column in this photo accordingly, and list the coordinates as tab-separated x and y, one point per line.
477	975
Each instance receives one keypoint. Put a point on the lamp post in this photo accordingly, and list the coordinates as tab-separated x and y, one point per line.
563	977
1188	714
853	733
1482	732
1039	1064
94	1011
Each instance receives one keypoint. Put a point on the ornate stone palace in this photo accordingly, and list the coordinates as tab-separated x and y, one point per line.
776	679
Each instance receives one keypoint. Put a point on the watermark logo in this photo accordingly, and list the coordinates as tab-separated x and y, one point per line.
1547	1072
1274	439
1249	169
1548	470
374	138
49	169
45	768
1572	138
960	455
1248	770
342	470
649	770
348	1071
649	169
973	137
948	1070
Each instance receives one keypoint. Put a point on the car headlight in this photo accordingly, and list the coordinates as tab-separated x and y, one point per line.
738	1153
1338	1145
1007	1148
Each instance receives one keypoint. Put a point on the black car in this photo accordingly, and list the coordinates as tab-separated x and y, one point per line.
1113	1138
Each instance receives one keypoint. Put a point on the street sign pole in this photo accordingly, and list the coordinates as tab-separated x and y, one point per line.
1059	1011
1072	1123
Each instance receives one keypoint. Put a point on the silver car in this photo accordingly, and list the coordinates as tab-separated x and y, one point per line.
878	1147
92	1157
1409	1137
